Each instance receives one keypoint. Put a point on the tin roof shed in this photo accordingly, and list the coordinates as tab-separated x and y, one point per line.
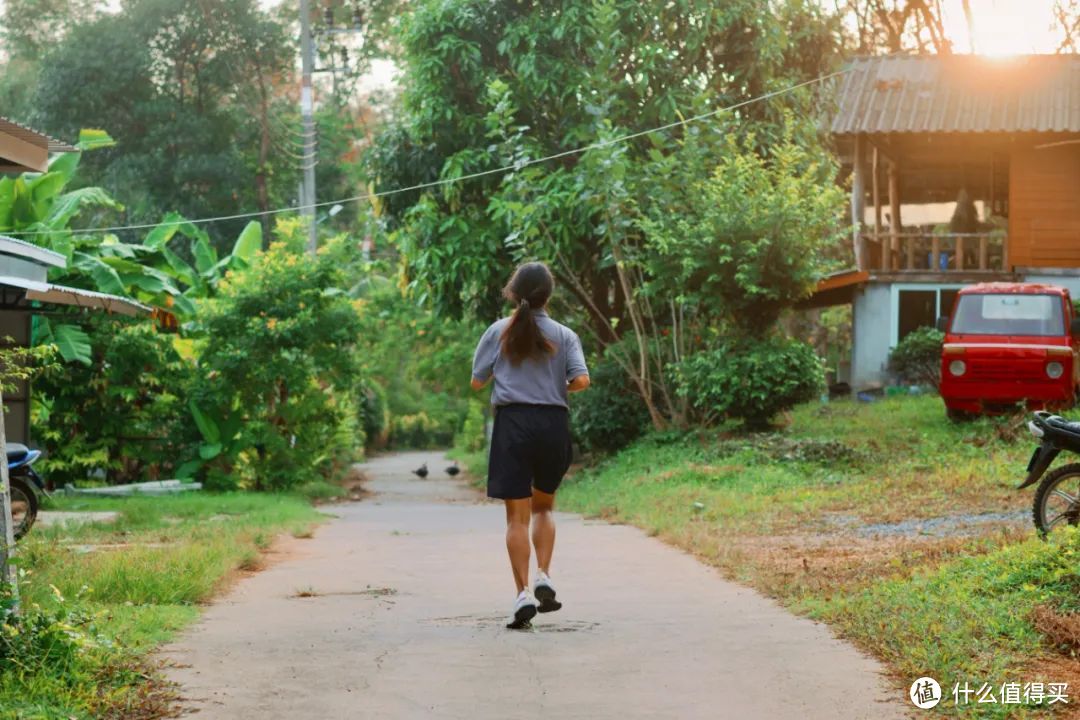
960	94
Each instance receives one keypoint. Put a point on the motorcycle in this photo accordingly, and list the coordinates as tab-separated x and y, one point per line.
1057	499
27	487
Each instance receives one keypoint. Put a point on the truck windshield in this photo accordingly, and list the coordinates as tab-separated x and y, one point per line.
1008	314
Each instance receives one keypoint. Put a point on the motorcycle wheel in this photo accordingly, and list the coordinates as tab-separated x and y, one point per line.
1057	499
24	507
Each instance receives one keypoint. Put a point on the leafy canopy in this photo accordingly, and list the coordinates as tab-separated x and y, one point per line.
494	83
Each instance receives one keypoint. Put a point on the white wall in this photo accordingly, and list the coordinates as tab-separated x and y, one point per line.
871	335
1068	279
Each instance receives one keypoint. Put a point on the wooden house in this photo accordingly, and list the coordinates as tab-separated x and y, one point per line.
962	169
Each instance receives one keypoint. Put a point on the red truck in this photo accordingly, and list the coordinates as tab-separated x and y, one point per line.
1009	343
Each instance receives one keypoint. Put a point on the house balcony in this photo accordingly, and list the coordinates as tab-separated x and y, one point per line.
936	254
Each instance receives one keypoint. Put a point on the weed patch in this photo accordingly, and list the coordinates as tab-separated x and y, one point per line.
99	596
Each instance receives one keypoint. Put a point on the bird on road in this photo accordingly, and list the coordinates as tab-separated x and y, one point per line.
453	469
421	471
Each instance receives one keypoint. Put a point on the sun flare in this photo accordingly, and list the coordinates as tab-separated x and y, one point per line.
1002	28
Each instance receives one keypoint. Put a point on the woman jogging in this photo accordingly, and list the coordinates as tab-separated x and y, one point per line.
536	362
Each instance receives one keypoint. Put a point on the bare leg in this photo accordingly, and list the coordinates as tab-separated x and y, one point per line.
517	540
543	528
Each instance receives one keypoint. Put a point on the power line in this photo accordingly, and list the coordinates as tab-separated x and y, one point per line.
471	176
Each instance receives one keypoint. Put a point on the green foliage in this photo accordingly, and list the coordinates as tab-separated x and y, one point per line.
473	435
917	358
419	431
374	414
60	652
495	83
610	414
746	242
124	412
752	380
279	352
417	364
189	94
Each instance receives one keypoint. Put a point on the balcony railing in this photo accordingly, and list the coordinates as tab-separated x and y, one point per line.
930	252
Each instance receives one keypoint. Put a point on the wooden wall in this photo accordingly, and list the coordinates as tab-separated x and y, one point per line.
1044	206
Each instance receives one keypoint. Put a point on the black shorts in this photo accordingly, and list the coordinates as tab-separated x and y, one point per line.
530	448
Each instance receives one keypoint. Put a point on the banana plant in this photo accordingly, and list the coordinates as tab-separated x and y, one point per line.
221	440
154	272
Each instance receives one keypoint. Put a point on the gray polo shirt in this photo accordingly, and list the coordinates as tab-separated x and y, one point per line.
534	381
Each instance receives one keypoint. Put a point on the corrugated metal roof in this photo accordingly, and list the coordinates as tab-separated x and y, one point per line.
63	295
960	93
30	251
33	137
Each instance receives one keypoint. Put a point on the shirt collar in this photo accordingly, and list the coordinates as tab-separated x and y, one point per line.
541	312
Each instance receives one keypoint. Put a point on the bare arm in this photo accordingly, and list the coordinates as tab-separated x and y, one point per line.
479	384
581	382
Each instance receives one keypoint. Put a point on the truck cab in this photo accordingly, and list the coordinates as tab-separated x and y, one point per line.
1008	344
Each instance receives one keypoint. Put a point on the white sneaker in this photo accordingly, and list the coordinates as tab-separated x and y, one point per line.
524	611
545	593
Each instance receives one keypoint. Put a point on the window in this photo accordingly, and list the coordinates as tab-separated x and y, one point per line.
1009	314
918	308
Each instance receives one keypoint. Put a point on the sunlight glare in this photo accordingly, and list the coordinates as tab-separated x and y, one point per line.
1003	28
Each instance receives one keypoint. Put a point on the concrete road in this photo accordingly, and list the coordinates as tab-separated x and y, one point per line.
409	590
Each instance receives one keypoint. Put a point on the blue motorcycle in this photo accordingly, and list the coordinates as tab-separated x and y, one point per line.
27	487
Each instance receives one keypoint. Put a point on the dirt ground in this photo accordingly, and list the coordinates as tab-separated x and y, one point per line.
395	609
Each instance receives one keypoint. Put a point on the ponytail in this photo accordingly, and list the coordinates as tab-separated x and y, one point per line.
530	288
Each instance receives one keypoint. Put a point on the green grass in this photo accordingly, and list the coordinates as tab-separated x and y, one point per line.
777	511
321	490
968	620
131	585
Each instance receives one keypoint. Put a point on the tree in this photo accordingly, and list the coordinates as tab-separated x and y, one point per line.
189	90
277	350
495	83
746	242
490	84
40	207
895	26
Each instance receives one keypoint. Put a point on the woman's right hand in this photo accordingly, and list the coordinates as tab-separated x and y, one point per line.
581	382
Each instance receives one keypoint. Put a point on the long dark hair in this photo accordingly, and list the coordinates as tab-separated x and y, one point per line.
529	289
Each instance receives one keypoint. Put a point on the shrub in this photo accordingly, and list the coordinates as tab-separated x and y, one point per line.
917	358
418	431
58	648
610	414
374	414
473	435
279	371
124	413
751	379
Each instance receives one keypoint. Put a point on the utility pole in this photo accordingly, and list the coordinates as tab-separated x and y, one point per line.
307	115
307	100
8	578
